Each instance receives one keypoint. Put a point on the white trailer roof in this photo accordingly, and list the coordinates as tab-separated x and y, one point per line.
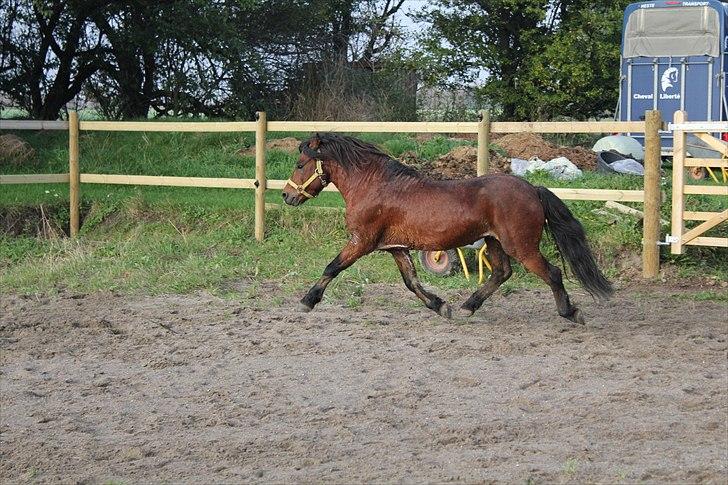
677	31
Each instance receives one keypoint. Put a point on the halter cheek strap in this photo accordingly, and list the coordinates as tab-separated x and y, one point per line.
318	173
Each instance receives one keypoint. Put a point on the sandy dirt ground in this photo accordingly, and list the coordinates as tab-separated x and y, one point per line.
197	389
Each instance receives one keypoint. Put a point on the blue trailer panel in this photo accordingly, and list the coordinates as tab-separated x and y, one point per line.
673	58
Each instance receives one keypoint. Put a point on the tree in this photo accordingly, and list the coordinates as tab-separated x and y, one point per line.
189	57
541	58
375	33
125	83
577	72
49	50
494	36
350	74
217	58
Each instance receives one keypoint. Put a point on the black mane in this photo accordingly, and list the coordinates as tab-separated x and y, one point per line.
352	153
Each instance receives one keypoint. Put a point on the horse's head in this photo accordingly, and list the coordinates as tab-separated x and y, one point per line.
308	178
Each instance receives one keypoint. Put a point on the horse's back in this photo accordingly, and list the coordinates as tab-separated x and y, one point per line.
448	213
497	192
508	206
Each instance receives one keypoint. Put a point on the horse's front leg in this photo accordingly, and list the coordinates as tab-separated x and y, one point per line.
353	250
409	275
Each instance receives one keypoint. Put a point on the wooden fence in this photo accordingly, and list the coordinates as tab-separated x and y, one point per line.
650	196
681	237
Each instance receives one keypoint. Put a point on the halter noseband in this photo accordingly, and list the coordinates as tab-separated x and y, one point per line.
318	173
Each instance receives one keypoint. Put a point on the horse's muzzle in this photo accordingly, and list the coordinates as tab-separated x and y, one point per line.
291	199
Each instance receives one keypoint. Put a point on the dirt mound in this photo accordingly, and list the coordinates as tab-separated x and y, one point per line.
458	163
288	144
14	151
527	145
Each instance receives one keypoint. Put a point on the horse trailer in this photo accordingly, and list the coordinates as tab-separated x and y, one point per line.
673	57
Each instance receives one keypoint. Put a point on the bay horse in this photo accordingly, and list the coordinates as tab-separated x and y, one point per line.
392	207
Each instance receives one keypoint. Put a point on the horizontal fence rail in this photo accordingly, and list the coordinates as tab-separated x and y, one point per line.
460	127
706	190
235	183
716	242
699	126
182	126
33	125
41	178
699	216
165	181
261	126
375	127
338	126
706	162
566	194
567	127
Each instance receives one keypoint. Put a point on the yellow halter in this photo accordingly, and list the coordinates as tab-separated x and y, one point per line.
301	189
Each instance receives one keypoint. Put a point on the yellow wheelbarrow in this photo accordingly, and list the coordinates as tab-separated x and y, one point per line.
445	263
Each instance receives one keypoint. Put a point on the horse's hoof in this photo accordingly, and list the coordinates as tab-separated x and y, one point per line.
445	311
302	307
465	312
578	317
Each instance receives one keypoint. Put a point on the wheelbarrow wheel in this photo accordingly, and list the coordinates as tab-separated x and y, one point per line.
697	173
442	263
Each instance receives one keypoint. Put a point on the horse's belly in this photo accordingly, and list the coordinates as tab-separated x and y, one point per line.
435	233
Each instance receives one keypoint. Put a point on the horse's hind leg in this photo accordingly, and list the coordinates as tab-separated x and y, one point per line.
409	275
501	272
538	265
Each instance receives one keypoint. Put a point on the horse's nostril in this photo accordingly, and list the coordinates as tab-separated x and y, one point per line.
284	196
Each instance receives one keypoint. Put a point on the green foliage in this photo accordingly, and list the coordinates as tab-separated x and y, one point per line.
48	53
543	58
310	59
190	57
708	295
576	74
497	37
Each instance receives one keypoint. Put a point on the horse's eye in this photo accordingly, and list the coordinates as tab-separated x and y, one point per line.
299	166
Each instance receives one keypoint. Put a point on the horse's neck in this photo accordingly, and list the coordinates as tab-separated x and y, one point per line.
355	184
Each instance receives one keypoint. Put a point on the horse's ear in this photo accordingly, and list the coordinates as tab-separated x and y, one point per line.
315	142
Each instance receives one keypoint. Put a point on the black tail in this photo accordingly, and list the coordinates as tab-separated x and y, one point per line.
571	241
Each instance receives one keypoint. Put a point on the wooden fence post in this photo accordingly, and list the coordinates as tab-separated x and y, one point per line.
677	226
483	142
261	128
651	221
74	178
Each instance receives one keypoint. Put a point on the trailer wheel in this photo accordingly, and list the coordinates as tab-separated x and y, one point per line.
697	173
442	263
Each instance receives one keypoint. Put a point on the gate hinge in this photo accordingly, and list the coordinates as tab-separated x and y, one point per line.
669	239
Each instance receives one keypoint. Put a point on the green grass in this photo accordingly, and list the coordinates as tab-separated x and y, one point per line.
719	294
157	245
571	466
163	239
